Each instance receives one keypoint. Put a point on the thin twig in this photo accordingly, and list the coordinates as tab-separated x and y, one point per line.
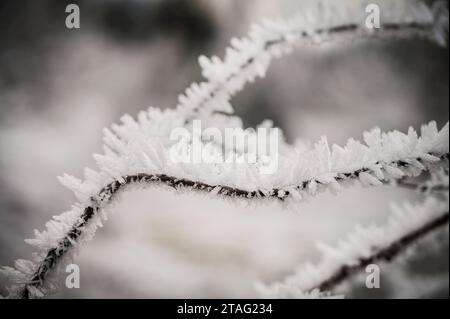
422	188
54	255
386	254
343	29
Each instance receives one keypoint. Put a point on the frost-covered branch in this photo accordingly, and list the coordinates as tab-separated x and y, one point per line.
437	182
249	57
423	188
139	151
364	246
385	156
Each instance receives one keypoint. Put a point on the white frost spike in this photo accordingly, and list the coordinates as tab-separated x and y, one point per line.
216	190
429	158
373	138
114	142
34	292
312	187
369	180
416	164
377	171
281	194
14	275
296	195
24	266
335	187
394	172
329	251
70	182
91	175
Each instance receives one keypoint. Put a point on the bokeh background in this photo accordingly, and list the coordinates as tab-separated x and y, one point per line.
60	87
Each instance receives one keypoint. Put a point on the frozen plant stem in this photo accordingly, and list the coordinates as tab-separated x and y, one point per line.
338	30
250	57
422	188
137	151
386	254
372	244
108	192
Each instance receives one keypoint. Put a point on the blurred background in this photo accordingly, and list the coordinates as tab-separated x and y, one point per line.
60	87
